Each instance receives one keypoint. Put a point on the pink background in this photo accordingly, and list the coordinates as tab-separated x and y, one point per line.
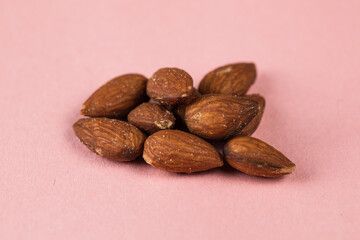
54	55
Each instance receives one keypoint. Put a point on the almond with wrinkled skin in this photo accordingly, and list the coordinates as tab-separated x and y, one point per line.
110	138
218	117
170	86
151	117
177	151
249	129
117	97
255	157
232	79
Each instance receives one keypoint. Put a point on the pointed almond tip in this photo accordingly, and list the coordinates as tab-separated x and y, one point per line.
83	110
221	162
287	170
76	124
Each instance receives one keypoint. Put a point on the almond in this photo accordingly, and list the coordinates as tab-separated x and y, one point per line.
170	86
117	97
110	138
218	117
151	117
249	129
255	157
232	79
177	151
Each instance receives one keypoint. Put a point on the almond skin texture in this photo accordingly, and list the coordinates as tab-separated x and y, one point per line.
232	79
151	117
255	157
117	97
218	117
249	129
180	110
110	138
170	86
177	151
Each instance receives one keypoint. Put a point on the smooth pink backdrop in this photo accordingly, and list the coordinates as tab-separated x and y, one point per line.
54	54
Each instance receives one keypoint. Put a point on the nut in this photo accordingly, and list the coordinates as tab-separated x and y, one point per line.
117	97
224	111
218	117
177	151
249	129
232	79
110	138
255	157
151	117
170	86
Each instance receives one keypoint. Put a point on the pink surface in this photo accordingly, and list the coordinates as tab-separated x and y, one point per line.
54	55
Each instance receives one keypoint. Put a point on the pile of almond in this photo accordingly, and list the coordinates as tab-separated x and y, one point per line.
124	125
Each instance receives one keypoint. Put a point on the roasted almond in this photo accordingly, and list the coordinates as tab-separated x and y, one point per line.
117	97
110	138
255	157
232	79
151	117
254	123
177	151
170	86
218	117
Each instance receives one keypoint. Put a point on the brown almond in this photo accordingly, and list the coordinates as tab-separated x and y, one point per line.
232	79
249	129
117	97
151	117
110	138
218	117
170	86
177	151
255	157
